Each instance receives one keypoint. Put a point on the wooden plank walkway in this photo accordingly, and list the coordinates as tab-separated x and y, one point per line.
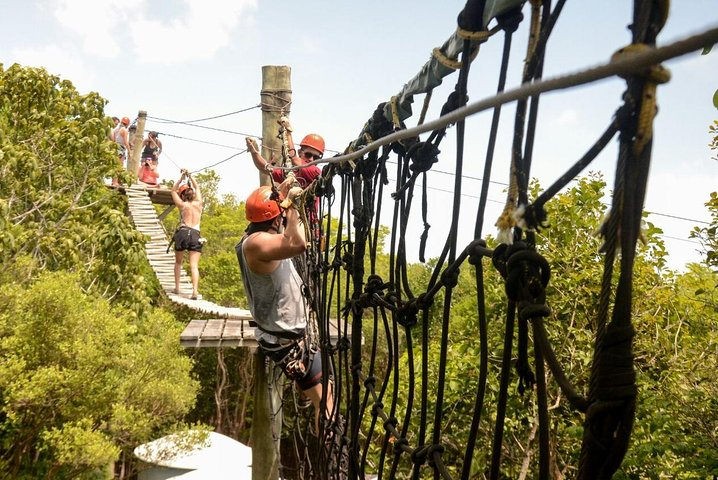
144	217
232	327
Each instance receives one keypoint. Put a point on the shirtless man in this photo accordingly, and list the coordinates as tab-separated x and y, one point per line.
188	200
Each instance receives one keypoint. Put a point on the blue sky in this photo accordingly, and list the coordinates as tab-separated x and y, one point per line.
184	60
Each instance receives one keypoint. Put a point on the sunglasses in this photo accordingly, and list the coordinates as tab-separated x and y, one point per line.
311	156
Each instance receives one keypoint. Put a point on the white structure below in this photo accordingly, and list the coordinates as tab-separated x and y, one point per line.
195	456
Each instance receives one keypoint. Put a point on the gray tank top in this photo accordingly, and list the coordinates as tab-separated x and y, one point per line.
275	299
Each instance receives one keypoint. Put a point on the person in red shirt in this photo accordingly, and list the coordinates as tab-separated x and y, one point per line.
147	173
310	148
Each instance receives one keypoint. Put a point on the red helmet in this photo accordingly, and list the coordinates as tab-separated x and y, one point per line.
125	121
260	206
314	141
182	189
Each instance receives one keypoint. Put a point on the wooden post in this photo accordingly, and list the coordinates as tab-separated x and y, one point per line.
265	461
276	98
133	161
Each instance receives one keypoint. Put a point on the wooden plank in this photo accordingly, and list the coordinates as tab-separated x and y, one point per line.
213	330
193	330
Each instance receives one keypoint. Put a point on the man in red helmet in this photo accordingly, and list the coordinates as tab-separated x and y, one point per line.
188	200
310	148
274	288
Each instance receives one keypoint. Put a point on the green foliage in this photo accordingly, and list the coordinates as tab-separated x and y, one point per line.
53	203
81	381
88	369
675	350
708	236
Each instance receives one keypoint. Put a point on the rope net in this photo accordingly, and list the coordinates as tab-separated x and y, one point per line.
389	417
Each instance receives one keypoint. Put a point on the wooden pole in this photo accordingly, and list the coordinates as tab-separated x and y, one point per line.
276	97
136	138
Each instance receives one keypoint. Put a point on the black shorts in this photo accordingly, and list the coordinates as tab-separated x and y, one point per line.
186	238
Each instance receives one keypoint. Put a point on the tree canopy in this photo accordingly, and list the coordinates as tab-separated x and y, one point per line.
89	367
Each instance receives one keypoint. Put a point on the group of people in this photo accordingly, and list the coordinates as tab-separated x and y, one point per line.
273	287
147	173
274	236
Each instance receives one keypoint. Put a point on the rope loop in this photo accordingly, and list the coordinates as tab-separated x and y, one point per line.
480	36
408	314
374	284
450	277
510	21
418	456
434	452
379	126
390	425
653	76
424	301
376	408
534	217
477	251
653	73
400	444
370	382
450	62
498	259
362	218
453	102
324	187
528	310
423	155
528	272
344	344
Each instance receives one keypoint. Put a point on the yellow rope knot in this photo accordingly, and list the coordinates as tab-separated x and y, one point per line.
395	113
450	62
507	219
480	36
653	75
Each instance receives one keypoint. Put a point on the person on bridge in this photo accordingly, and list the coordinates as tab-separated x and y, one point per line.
152	147
121	136
188	200
274	288
147	173
310	148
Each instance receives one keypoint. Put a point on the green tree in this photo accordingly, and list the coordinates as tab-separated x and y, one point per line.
708	236
81	382
54	206
88	368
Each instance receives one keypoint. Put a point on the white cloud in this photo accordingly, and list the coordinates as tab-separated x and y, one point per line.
200	29
97	23
566	118
198	34
63	62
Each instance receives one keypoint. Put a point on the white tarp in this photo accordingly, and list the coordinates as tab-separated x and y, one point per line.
195	456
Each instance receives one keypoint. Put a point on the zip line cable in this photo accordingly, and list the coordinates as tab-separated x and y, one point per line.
199	141
207	118
232	132
650	212
468	195
221	161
